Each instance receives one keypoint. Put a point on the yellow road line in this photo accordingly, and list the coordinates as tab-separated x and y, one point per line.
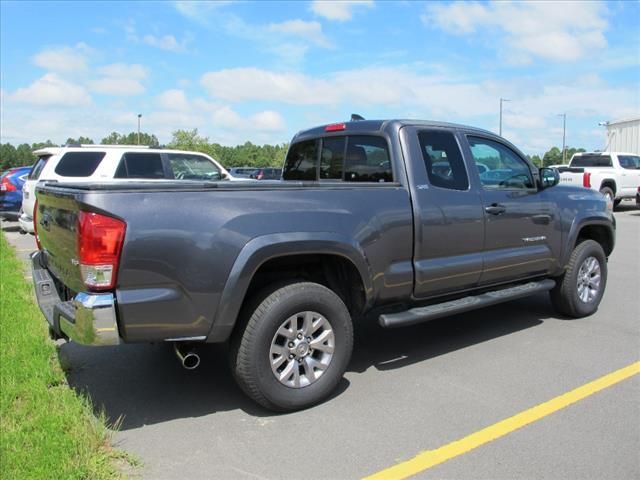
431	458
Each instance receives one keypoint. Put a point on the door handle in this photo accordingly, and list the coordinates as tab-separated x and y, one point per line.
495	209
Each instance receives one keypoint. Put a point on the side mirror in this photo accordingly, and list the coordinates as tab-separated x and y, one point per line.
549	177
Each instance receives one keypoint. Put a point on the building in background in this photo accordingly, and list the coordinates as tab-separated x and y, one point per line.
623	136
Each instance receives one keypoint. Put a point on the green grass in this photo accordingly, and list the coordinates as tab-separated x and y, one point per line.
46	429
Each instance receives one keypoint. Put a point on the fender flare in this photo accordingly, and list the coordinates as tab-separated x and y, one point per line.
267	247
577	226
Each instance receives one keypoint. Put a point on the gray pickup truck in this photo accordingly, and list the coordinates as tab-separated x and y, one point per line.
399	221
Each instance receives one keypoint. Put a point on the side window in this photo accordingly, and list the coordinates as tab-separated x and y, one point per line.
629	162
79	164
193	167
301	161
505	168
140	165
443	160
37	168
332	158
367	160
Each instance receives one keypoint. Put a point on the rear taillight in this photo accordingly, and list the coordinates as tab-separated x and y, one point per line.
586	179
100	240
7	186
35	224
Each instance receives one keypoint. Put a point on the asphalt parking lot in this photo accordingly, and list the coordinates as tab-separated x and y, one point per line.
406	391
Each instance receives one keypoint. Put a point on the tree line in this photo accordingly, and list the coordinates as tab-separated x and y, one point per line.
248	154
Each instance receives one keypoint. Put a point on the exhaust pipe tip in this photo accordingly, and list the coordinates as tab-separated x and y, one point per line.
189	360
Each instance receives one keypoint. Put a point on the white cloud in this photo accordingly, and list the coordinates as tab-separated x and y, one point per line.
198	11
401	91
134	71
63	59
168	42
120	87
51	89
173	100
120	79
340	10
556	31
311	31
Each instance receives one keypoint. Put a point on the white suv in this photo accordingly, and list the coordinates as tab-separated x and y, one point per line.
100	163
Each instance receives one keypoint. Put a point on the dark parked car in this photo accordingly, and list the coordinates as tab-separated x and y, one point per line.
367	223
11	183
268	173
242	172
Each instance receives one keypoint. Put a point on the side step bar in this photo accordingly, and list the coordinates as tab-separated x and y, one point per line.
431	312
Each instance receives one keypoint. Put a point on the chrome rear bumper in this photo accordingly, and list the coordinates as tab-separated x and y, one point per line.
88	319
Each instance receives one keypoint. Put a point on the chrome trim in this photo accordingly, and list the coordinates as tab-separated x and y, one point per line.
199	338
88	319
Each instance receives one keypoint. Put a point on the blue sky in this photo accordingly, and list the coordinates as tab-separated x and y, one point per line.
260	71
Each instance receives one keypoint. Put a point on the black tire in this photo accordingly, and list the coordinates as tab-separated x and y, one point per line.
565	296
607	192
251	353
616	202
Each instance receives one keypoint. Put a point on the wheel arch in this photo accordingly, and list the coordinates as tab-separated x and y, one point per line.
593	229
269	258
610	183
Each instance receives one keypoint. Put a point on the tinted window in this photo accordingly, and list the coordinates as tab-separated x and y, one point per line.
591	161
79	164
37	168
193	167
630	162
506	170
140	165
301	161
367	160
332	158
443	160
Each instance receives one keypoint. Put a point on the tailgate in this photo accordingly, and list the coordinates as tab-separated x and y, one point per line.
57	223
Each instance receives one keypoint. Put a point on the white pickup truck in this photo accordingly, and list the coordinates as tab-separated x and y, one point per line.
614	174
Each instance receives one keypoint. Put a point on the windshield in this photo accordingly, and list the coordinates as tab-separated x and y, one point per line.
630	162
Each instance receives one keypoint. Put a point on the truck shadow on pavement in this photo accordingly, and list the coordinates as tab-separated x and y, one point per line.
137	385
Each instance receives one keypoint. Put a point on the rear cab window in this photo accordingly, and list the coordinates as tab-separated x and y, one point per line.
78	164
140	165
591	161
443	160
348	158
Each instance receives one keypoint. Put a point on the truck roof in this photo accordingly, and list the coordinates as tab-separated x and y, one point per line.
380	125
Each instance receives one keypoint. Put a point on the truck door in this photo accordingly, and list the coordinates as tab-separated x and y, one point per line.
448	216
522	236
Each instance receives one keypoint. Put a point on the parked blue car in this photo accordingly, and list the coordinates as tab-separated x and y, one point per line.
11	183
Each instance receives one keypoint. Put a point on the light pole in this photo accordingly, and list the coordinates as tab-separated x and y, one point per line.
502	100
564	135
139	117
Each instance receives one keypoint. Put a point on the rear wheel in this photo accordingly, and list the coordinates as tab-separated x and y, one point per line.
608	194
293	346
579	291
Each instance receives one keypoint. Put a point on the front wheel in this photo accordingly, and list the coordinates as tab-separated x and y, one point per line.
293	346
579	291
